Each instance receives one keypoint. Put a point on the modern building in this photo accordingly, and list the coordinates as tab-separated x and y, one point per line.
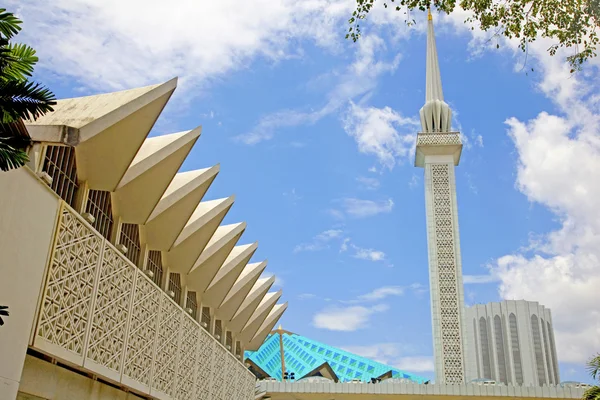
438	151
298	356
512	342
120	278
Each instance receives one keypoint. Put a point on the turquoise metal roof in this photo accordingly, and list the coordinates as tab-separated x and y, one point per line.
302	355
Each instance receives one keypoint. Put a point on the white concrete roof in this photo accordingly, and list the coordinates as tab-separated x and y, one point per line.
150	173
242	286
250	303
228	273
260	315
214	255
197	233
267	326
107	129
176	206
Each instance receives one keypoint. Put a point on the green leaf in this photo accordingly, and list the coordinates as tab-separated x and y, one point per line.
24	100
9	24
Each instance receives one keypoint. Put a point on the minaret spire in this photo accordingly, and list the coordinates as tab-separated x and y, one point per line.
435	114
438	151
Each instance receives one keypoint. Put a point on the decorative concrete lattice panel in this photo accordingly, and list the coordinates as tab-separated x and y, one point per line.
165	361
187	360
142	331
102	313
245	383
219	372
438	139
111	308
65	312
448	296
206	348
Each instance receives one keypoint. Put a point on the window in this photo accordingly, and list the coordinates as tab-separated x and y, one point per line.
154	264
99	205
175	287
238	349
516	351
205	318
537	348
547	349
218	330
130	238
59	163
485	349
192	303
499	335
229	340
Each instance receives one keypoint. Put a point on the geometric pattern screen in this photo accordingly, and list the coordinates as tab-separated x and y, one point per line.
447	300
303	355
102	313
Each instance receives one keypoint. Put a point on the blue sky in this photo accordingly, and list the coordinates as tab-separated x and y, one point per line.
315	137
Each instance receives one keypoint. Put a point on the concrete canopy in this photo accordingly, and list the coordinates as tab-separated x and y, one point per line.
149	175
196	234
227	274
107	130
260	315
267	326
176	207
214	255
250	303
240	290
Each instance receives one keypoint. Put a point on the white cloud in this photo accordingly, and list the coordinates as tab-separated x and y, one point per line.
558	159
368	254
359	78
319	242
381	132
382	293
368	183
344	246
394	354
120	44
360	208
306	296
471	279
415	364
346	319
479	140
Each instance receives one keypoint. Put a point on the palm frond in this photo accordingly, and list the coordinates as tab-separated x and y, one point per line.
593	366
20	60
11	157
592	393
9	24
25	100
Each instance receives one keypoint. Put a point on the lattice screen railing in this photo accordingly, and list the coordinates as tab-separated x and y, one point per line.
103	314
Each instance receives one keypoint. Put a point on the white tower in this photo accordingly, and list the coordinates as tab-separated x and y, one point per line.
438	151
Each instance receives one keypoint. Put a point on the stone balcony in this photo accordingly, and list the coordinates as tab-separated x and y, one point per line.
437	143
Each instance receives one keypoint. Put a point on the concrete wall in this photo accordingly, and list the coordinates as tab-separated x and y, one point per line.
27	223
47	381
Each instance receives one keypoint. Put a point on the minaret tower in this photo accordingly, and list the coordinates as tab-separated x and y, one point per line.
438	152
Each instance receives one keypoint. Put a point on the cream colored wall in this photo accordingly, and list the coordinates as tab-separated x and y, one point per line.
52	382
27	224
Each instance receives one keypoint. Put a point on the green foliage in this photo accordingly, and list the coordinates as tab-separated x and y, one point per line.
593	365
20	98
571	23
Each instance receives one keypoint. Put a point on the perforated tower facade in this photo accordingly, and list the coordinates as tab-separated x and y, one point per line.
438	152
512	342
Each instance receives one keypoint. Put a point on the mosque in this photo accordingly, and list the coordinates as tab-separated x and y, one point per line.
123	283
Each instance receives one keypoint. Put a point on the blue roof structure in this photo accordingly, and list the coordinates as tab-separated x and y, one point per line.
305	357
